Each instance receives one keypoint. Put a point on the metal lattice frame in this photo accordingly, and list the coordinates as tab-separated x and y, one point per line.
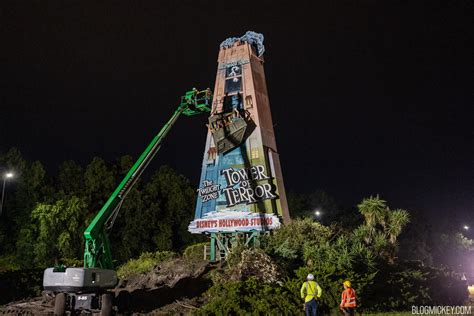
222	243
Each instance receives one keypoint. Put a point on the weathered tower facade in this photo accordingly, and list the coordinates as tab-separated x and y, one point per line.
241	191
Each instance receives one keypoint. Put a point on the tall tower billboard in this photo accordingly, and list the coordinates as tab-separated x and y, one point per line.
241	186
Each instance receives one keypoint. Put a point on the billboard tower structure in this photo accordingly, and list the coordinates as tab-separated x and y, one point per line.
241	193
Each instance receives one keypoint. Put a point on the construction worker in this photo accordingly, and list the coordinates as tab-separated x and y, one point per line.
348	299
311	293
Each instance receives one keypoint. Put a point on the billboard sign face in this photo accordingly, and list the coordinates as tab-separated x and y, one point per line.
241	186
231	221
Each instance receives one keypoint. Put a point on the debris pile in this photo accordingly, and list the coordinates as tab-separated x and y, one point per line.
167	273
168	284
255	262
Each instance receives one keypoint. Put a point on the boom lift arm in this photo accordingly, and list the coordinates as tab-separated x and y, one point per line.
97	252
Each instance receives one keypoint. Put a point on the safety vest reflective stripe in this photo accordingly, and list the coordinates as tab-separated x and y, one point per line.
348	299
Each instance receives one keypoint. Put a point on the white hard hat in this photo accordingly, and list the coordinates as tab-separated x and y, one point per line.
310	277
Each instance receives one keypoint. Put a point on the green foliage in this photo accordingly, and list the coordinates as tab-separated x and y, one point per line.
145	263
155	216
99	181
21	194
60	228
195	252
382	226
250	297
396	221
338	259
330	280
287	244
373	210
332	256
289	241
25	245
366	256
72	262
9	263
176	198
411	283
235	255
254	262
18	284
45	216
70	178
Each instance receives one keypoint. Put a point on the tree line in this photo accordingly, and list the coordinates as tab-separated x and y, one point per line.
432	245
45	215
391	253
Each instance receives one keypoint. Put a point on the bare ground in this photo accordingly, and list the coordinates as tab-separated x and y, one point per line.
174	287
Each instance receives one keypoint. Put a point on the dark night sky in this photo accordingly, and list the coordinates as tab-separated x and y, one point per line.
367	97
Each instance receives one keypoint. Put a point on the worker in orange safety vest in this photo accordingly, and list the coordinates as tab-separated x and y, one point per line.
311	293
348	299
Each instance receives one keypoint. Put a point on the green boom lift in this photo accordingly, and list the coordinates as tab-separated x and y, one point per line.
86	288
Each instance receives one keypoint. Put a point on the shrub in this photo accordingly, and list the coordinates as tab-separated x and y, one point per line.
330	280
287	244
71	262
20	284
289	240
255	263
250	297
8	263
399	286
365	256
145	263
195	252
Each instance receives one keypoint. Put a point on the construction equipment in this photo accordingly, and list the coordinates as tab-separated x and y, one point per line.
85	289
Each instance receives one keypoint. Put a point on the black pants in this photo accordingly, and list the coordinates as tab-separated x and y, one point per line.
348	311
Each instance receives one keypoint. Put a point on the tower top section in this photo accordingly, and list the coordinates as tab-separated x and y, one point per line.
253	38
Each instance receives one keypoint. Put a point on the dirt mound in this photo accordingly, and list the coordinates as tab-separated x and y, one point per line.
184	306
35	306
167	273
166	287
173	287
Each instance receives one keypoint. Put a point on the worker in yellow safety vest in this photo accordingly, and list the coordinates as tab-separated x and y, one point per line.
311	293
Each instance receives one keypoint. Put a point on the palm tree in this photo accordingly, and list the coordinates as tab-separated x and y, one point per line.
373	209
397	220
382	226
363	233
